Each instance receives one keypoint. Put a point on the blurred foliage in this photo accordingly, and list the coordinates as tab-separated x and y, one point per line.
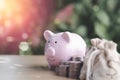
92	18
39	49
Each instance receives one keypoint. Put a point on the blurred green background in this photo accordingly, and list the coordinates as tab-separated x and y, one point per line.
88	18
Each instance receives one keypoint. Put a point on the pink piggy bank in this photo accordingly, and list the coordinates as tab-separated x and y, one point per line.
62	46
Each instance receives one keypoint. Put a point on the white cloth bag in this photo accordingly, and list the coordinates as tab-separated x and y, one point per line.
102	61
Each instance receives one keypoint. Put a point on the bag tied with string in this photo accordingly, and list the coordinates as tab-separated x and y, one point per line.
102	61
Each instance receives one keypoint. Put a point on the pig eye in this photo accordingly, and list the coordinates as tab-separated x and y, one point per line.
48	41
55	41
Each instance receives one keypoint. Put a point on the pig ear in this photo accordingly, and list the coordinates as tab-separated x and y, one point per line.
47	34
66	36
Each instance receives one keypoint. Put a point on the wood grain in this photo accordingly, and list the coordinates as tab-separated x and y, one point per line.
26	68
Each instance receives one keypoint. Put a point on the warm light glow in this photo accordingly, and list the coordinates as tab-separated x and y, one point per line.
14	12
7	6
2	4
9	9
1	30
7	23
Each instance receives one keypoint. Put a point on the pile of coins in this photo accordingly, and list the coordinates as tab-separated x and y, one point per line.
70	68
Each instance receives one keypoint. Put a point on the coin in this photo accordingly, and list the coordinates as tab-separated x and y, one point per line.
65	63
71	68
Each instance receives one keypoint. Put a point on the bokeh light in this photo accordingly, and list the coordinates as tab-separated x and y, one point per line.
22	20
14	12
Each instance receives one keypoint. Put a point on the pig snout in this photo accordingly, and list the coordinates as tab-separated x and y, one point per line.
50	52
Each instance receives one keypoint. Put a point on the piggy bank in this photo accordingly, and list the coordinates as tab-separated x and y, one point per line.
62	46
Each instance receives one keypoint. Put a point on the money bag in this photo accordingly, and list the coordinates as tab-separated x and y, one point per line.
102	61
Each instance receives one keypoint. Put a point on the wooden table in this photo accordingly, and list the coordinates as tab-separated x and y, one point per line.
26	68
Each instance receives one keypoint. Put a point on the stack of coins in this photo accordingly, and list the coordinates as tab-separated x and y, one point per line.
70	68
80	60
63	70
74	70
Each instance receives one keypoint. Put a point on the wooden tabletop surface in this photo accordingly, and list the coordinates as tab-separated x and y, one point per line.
26	68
